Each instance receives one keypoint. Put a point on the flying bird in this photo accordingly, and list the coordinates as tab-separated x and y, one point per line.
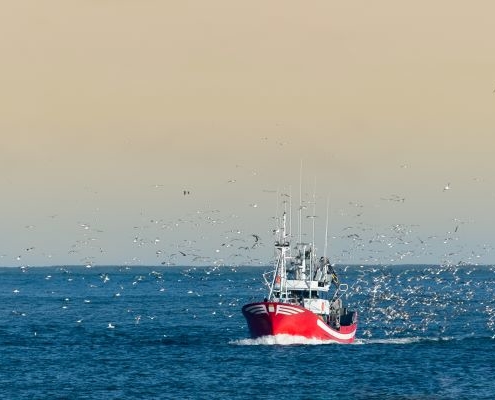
256	241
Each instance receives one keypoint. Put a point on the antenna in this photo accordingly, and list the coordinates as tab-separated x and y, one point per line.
326	232
300	201
277	217
314	213
290	211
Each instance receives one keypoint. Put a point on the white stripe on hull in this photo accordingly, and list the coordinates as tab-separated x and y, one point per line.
338	335
288	310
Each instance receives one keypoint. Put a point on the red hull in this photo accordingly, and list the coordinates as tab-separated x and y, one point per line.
270	318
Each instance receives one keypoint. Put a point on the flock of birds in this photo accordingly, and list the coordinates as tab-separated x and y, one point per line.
438	302
211	236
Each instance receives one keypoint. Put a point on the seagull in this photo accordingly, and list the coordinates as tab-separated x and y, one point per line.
256	241
110	326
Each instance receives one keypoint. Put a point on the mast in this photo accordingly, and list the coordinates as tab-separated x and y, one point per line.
282	272
311	255
279	281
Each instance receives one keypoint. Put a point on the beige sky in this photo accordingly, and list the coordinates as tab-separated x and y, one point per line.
101	100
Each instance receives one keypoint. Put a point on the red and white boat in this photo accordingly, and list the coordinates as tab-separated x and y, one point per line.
304	298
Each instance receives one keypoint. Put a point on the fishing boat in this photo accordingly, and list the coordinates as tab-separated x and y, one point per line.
305	297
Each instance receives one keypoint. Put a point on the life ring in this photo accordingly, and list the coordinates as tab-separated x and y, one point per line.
277	279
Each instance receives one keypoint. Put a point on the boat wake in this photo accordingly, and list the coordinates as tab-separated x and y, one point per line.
404	340
282	339
287	340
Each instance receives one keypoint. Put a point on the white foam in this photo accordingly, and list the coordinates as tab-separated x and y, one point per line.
283	340
405	340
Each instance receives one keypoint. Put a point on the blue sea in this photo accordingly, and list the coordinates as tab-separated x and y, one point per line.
72	332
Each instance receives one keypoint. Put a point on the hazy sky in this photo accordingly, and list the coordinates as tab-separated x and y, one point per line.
111	109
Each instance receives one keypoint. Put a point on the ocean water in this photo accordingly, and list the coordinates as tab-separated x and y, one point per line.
425	332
